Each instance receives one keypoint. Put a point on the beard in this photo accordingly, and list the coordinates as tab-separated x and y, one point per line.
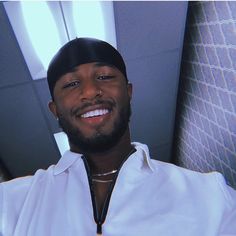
99	142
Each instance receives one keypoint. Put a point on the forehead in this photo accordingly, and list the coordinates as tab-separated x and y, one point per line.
94	66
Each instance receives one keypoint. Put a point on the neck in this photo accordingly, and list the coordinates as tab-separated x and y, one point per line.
112	158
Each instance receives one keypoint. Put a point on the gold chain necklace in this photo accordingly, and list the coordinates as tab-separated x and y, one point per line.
105	174
102	181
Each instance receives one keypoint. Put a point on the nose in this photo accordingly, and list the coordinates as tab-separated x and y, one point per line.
90	90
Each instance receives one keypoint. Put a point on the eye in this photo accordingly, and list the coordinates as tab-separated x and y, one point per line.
72	84
105	77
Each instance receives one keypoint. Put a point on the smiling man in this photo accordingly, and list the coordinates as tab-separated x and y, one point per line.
92	104
106	184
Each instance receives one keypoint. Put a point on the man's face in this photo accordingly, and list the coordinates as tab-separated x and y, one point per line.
92	104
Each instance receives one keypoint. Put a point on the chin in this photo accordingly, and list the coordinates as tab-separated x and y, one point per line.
101	138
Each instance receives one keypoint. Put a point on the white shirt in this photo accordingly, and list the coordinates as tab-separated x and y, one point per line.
149	198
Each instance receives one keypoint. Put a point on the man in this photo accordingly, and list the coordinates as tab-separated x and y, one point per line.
105	184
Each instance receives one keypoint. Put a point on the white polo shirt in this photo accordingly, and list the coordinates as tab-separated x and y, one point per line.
149	198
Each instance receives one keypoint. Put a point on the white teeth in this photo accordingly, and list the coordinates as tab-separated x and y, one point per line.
97	112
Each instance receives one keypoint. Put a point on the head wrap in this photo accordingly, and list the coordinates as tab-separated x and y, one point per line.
80	51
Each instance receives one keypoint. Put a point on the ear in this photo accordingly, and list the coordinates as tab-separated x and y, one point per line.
52	107
130	90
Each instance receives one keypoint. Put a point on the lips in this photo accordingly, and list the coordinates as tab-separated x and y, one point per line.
95	113
89	110
95	117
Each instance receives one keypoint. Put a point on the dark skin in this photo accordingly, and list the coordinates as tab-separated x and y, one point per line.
87	83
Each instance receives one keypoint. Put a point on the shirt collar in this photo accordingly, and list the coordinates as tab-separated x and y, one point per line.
69	158
144	151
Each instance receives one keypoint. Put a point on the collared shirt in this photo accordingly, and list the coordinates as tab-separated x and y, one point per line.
149	198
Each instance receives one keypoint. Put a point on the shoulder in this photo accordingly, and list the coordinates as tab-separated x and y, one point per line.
208	193
20	183
205	184
13	196
183	175
15	191
187	182
16	185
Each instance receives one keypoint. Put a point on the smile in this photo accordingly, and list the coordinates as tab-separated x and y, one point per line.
97	112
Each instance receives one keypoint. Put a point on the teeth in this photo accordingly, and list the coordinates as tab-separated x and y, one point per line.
97	112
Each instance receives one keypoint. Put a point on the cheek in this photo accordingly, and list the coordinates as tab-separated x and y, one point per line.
122	102
66	102
118	92
63	108
123	96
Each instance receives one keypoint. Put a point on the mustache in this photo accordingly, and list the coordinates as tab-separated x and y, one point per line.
107	103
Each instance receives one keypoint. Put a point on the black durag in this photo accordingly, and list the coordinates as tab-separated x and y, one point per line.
80	51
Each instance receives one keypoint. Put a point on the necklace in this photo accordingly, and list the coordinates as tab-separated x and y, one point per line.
102	181
100	218
105	174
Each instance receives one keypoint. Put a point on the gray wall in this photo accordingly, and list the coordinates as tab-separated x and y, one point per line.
206	125
150	37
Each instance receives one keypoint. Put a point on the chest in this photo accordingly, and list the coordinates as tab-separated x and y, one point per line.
134	210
